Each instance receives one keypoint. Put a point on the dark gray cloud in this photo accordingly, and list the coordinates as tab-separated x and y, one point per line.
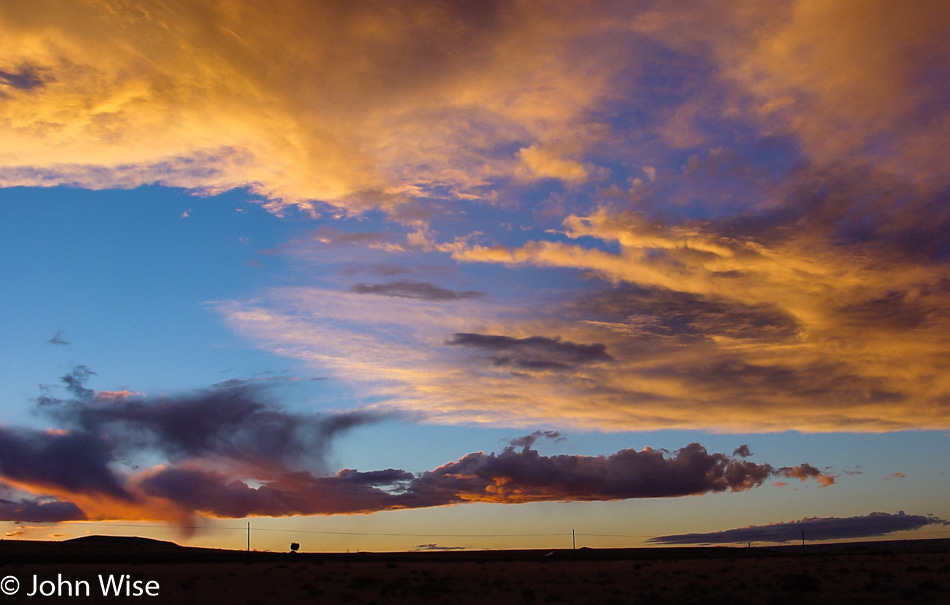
58	339
851	204
854	204
527	476
528	440
828	528
534	352
750	381
231	425
26	78
412	289
230	420
75	461
197	490
743	451
388	476
39	510
75	382
513	476
908	309
687	315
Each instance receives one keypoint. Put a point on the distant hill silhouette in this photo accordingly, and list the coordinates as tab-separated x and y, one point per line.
121	543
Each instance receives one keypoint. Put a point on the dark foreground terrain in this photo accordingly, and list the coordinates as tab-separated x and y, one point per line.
879	572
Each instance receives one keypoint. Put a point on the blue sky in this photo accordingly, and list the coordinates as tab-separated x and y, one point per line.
473	277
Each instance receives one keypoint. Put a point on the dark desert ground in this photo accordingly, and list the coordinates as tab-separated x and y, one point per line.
872	572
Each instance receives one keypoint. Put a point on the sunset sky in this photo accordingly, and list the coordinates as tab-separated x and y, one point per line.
448	274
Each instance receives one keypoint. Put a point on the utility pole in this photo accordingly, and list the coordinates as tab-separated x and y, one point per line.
573	541
803	541
248	536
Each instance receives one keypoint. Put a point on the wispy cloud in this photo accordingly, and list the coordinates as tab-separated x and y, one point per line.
814	528
740	356
58	339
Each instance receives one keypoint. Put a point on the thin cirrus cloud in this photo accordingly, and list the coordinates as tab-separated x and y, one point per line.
422	359
199	455
639	356
828	528
411	289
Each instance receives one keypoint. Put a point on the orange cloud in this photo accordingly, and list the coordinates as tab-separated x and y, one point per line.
366	106
846	77
352	105
787	323
546	163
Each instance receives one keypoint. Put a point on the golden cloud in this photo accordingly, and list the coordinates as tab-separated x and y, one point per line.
855	79
855	327
368	104
699	330
306	101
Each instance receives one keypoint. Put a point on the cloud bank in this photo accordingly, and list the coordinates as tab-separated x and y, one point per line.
814	528
222	452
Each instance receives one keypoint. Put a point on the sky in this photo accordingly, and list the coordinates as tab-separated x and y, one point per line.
434	274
